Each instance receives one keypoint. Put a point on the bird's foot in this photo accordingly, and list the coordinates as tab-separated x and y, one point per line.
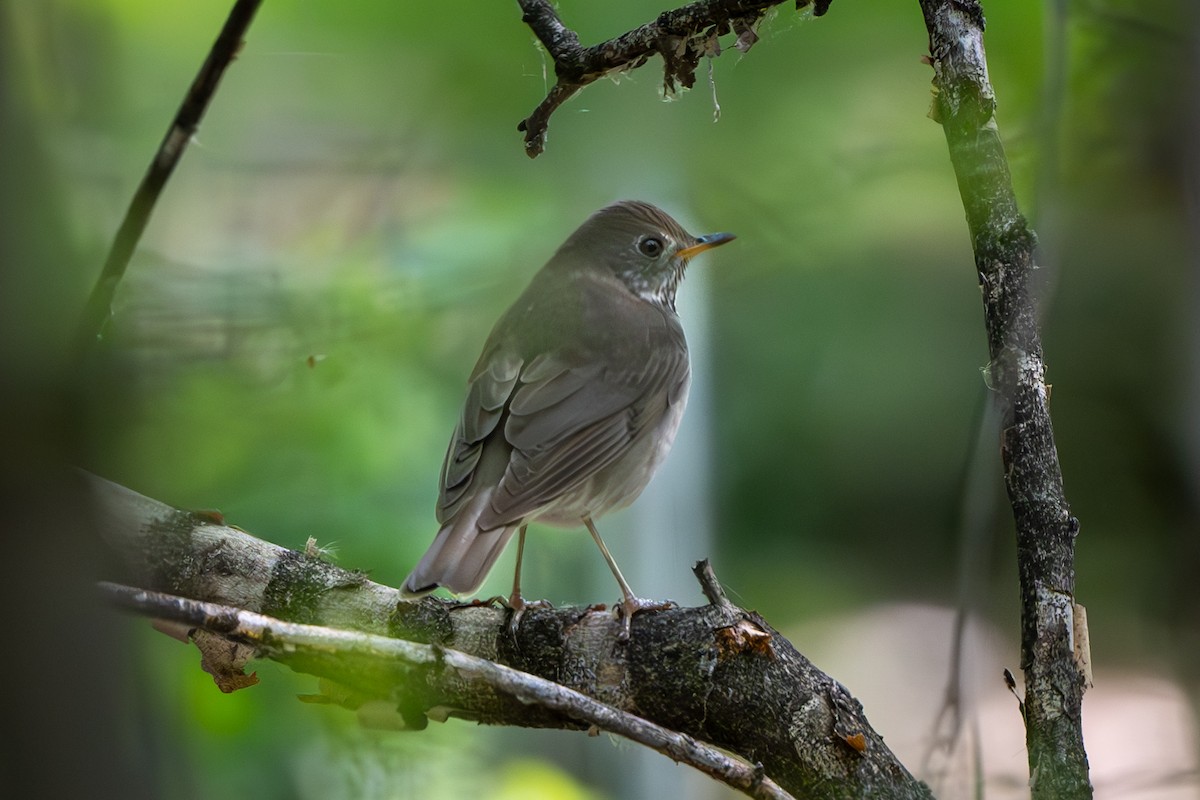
632	605
489	602
518	606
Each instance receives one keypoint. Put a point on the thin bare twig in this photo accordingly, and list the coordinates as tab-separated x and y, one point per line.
681	36
275	637
182	128
709	584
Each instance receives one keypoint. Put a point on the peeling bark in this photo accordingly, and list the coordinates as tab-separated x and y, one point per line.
682	36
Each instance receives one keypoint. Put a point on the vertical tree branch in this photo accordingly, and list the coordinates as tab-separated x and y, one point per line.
1003	243
183	127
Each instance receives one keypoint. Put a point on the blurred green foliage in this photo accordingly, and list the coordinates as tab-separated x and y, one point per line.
357	209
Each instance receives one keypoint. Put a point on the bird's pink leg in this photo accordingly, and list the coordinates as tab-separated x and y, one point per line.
631	604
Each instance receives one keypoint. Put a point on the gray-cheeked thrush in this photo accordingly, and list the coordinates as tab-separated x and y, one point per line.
574	401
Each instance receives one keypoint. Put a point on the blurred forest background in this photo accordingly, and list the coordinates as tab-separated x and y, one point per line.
292	340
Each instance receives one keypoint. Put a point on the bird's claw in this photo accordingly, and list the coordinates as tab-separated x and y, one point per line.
625	609
494	600
518	606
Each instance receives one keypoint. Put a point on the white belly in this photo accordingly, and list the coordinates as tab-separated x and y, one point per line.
620	483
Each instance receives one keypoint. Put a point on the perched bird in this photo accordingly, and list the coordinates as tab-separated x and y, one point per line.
574	401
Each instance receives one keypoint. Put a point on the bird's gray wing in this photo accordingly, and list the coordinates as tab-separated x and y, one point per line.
569	418
490	390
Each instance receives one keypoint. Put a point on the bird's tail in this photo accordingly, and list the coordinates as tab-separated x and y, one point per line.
461	555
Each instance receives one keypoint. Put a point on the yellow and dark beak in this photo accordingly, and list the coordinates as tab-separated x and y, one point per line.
703	243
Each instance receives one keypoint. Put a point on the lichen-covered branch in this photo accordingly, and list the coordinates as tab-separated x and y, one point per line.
344	656
715	674
170	150
964	103
681	36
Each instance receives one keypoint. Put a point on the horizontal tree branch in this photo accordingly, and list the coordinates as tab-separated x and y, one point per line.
716	674
309	647
681	36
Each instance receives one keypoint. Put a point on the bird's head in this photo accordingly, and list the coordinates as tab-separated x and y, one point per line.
642	246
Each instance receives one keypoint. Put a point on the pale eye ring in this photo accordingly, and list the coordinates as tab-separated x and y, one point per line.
650	246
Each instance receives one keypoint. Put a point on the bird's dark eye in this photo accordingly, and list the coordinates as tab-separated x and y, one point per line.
650	246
